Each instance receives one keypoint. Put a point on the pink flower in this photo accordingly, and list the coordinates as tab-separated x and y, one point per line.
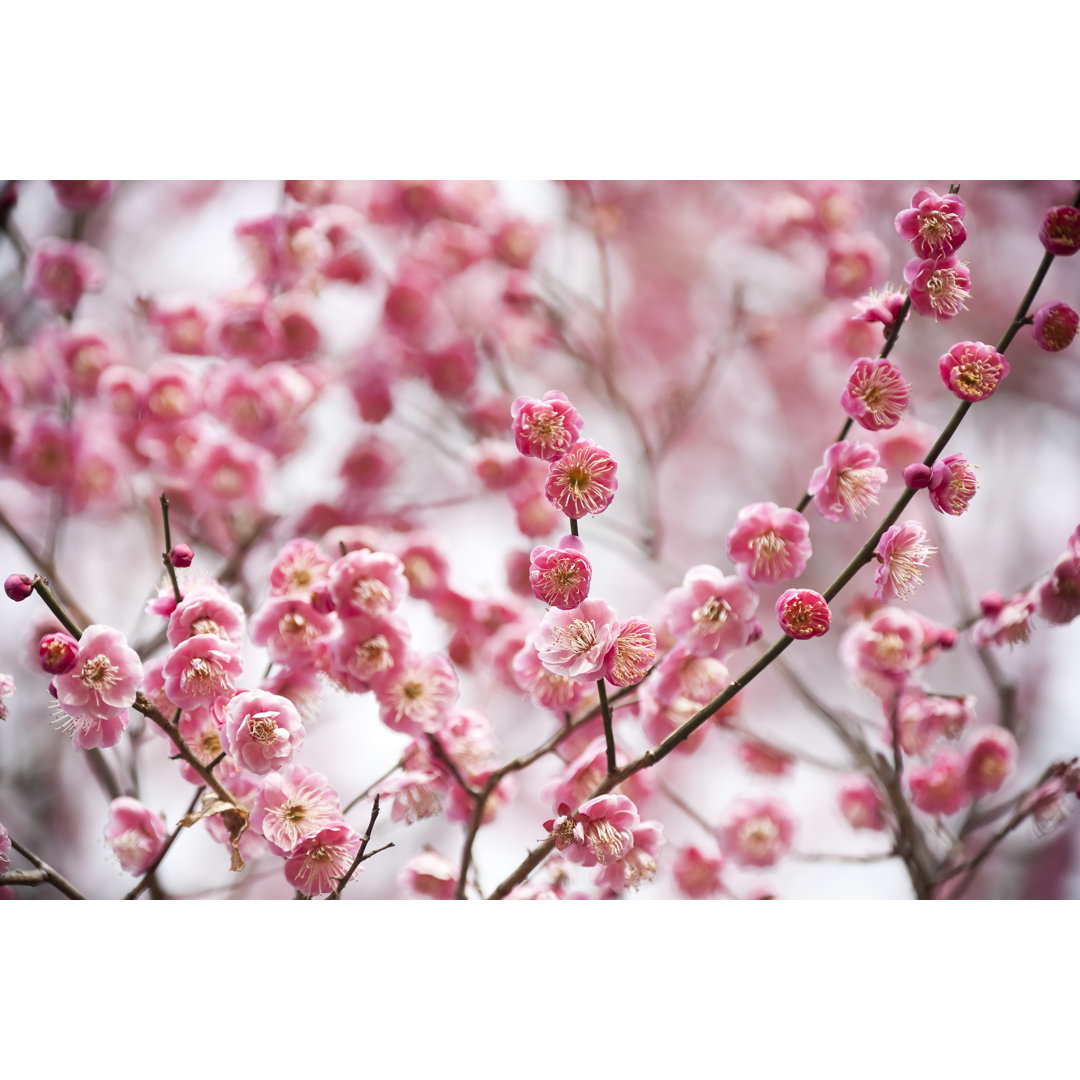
299	566
852	265
607	828
938	286
201	669
366	650
940	787
292	804
710	613
262	731
560	576
803	614
5	847
57	653
756	831
80	195
545	429
762	759
972	370
582	481
319	860
1060	230
697	874
429	874
1004	622
903	551
882	651
952	484
206	609
1057	596
575	643
1054	326
59	272
876	394
883	307
105	677
368	583
289	628
860	803
630	658
769	543
201	730
135	834
848	482
416	694
934	225
544	688
638	864
990	760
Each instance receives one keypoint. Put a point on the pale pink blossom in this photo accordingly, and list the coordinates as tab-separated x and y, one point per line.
989	761
697	874
419	792
135	833
369	583
803	614
972	370
1005	622
292	804
607	823
938	286
105	677
922	719
60	272
200	728
940	787
756	831
769	543
318	861
497	465
882	651
712	613
416	694
883	307
424	565
847	484
560	576
545	429
629	659
429	874
903	552
876	394
298	567
289	627
638	864
683	673
206	609
934	225
7	689
852	265
262	731
761	759
860	803
365	650
200	669
583	480
545	688
5	847
575	643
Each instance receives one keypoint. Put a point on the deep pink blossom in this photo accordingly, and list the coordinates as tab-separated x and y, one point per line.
630	658
876	394
848	481
135	833
697	874
990	760
1057	596
607	828
938	286
803	614
292	804
262	731
575	643
769	543
547	428
939	788
972	370
59	272
105	677
934	225
58	652
860	803
903	552
756	831
583	480
1054	326
560	576
18	586
319	860
952	484
200	669
1060	230
762	759
81	195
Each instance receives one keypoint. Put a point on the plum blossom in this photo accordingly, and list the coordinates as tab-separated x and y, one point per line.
1057	595
317	861
1005	622
631	656
803	614
972	370
697	874
583	480
860	803
1054	327
711	613
367	583
560	576
59	272
638	864
429	874
416	694
769	543
545	429
292	804
545	688
990	760
952	484
940	787
1060	230
201	669
756	831
938	286
848	481
607	830
934	225
903	551
882	651
576	643
105	676
876	394
135	833
262	731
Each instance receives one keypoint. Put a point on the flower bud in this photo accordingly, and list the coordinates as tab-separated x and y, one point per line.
18	586
57	652
917	476
803	613
181	555
1054	326
1060	231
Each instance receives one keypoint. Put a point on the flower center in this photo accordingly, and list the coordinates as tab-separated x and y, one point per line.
606	842
263	727
758	835
711	615
579	637
99	673
769	552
